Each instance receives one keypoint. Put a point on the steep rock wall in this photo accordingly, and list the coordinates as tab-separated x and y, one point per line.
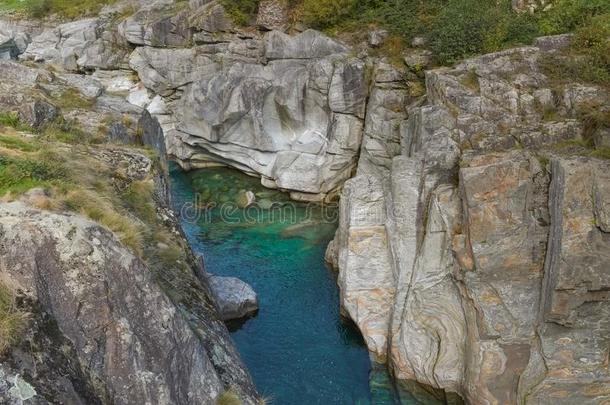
457	260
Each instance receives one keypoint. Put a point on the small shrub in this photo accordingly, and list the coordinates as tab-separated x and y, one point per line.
468	27
568	15
326	13
587	60
138	197
241	11
229	397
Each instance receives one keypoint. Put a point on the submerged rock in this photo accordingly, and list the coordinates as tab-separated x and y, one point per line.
245	199
235	298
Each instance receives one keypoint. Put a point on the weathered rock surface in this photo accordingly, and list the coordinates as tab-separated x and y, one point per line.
160	24
14	38
297	123
467	262
121	334
362	242
272	15
103	328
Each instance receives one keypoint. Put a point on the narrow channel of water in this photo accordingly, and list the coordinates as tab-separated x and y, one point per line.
298	349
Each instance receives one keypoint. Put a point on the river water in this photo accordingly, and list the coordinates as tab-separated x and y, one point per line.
298	348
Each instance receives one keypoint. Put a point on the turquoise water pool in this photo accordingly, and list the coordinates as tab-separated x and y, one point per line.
298	348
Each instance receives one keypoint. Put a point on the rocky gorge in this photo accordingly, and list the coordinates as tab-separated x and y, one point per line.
473	245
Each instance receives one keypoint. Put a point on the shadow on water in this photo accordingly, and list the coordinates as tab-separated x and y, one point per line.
298	348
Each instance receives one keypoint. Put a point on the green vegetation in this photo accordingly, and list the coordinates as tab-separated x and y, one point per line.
454	28
65	8
471	81
59	130
76	178
241	11
457	28
19	174
64	131
71	98
588	59
12	120
581	147
229	398
12	320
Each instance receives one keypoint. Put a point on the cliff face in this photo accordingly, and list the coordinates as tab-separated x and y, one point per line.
110	317
477	261
102	324
129	338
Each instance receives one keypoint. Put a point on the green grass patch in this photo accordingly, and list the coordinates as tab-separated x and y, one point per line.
229	397
138	197
63	131
19	174
60	130
601	153
11	120
71	99
70	9
18	143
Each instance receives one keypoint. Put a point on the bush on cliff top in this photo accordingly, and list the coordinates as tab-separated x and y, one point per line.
454	28
587	60
241	11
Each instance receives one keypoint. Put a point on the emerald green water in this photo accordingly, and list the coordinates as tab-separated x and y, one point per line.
298	349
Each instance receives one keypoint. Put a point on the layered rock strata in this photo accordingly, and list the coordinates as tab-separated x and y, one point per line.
474	258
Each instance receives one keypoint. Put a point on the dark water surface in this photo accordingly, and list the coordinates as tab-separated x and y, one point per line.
298	349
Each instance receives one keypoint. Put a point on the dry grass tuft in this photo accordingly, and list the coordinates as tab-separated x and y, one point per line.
12	320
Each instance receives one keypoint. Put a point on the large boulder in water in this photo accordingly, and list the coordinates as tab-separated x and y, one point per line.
235	298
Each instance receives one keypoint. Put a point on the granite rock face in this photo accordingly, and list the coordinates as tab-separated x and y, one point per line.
362	242
471	250
289	109
295	121
122	335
